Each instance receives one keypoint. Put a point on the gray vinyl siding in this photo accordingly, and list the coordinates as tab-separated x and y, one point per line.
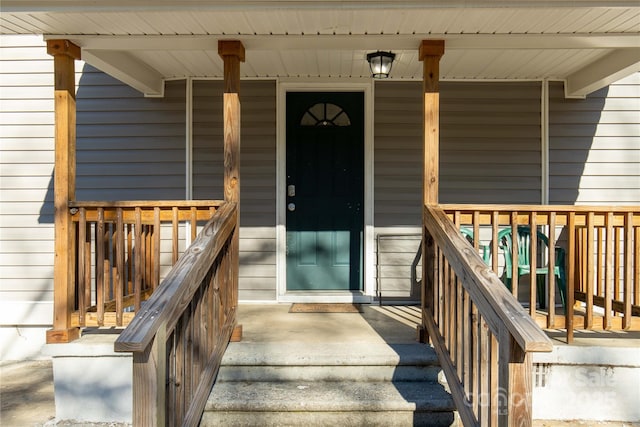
258	175
397	154
129	147
490	143
399	266
594	145
489	146
26	168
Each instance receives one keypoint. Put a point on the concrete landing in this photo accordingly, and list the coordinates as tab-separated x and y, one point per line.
273	323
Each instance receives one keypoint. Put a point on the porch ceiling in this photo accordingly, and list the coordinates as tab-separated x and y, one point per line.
589	44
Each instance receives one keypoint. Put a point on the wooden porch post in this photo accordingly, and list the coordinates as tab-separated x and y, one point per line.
430	53
232	53
64	183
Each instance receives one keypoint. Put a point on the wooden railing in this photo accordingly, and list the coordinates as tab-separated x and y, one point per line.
118	252
180	335
482	335
600	262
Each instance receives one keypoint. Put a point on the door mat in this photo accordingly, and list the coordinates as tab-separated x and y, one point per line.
324	308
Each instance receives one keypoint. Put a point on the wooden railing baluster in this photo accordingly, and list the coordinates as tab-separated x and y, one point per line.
119	275
138	257
459	328
514	255
550	287
467	342
118	254
194	224
533	262
129	260
476	355
494	241
476	230
87	266
100	266
188	354
174	235
627	286
571	274
608	271
109	265
485	376
617	262
448	306
496	393
588	319
636	264
82	266
156	247
181	337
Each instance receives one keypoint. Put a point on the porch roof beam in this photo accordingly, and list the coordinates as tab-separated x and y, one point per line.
126	68
604	71
355	41
144	5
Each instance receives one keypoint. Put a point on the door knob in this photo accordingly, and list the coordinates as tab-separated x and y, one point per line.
291	207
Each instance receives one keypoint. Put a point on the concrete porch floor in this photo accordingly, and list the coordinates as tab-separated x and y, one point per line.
391	324
274	323
26	387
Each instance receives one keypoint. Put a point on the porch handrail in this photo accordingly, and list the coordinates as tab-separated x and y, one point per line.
179	336
482	335
581	213
186	210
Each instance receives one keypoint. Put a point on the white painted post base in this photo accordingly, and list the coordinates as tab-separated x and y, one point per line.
92	383
589	383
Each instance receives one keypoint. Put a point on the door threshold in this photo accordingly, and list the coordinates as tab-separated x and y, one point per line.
326	296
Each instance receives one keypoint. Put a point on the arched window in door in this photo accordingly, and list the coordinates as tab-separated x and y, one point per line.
325	114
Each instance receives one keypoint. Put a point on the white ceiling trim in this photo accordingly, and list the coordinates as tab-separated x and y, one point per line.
612	67
128	69
123	56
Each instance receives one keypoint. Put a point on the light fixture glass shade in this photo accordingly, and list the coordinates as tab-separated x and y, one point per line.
380	64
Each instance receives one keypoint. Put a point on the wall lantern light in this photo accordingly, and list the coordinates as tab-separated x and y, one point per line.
380	64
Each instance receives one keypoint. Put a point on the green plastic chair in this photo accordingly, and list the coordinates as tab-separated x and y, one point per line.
468	234
524	265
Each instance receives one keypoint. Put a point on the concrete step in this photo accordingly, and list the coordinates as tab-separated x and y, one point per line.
320	403
327	362
355	384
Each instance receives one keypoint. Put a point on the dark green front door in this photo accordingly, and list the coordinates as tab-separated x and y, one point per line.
325	191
